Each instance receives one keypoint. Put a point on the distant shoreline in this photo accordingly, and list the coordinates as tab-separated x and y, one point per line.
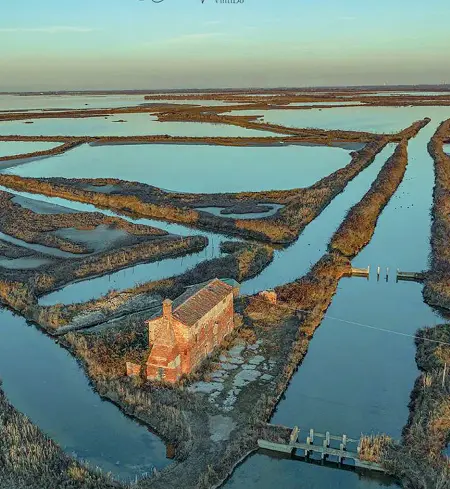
379	88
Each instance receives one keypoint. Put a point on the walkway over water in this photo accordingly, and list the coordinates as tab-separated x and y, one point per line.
324	450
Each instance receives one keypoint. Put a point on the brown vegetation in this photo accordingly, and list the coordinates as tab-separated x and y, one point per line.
40	154
437	282
359	225
246	261
419	462
33	227
373	448
301	206
30	460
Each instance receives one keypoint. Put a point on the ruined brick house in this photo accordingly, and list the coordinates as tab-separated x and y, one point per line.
189	329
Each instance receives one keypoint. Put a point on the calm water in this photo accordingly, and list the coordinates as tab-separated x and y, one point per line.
357	379
40	102
390	94
200	169
371	394
309	104
295	261
304	252
216	211
366	118
11	148
134	125
46	383
36	102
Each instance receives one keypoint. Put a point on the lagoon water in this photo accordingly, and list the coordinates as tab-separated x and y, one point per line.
11	148
45	382
199	169
40	102
354	378
141	124
364	118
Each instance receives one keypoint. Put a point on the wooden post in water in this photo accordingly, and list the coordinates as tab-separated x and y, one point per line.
344	441
387	274
368	272
378	273
341	455
327	439
324	455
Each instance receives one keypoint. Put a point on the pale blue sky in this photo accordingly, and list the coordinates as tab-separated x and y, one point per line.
95	44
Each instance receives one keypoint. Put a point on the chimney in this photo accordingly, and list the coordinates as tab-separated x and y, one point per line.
167	309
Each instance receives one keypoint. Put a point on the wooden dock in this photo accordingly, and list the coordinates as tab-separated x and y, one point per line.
410	276
361	272
323	450
407	276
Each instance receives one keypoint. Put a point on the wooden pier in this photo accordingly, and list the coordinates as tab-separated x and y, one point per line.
410	276
400	276
324	450
361	272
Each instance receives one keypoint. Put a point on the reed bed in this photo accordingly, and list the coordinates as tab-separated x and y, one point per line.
437	282
419	462
30	460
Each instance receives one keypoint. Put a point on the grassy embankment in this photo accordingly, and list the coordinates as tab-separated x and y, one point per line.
437	281
30	460
66	146
419	462
299	209
243	262
359	225
300	206
35	227
22	294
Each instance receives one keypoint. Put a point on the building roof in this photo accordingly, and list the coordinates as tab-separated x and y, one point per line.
198	300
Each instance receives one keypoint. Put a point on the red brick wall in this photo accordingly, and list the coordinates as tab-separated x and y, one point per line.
193	343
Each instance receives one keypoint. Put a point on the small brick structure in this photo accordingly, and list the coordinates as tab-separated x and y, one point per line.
133	369
189	329
269	296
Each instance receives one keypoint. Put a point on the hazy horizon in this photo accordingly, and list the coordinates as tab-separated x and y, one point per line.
187	44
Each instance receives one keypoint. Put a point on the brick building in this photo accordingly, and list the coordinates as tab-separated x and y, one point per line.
189	329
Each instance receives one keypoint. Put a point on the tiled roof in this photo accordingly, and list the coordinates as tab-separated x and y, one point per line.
194	304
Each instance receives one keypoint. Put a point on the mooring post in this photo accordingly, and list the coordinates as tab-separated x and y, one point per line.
344	442
325	446
387	274
398	271
368	272
311	435
378	273
327	439
341	454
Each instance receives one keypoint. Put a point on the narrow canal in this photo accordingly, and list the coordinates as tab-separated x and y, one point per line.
355	377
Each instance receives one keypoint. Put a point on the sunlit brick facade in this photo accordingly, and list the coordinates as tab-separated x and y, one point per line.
189	329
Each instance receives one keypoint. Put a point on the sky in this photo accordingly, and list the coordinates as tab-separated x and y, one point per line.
141	44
